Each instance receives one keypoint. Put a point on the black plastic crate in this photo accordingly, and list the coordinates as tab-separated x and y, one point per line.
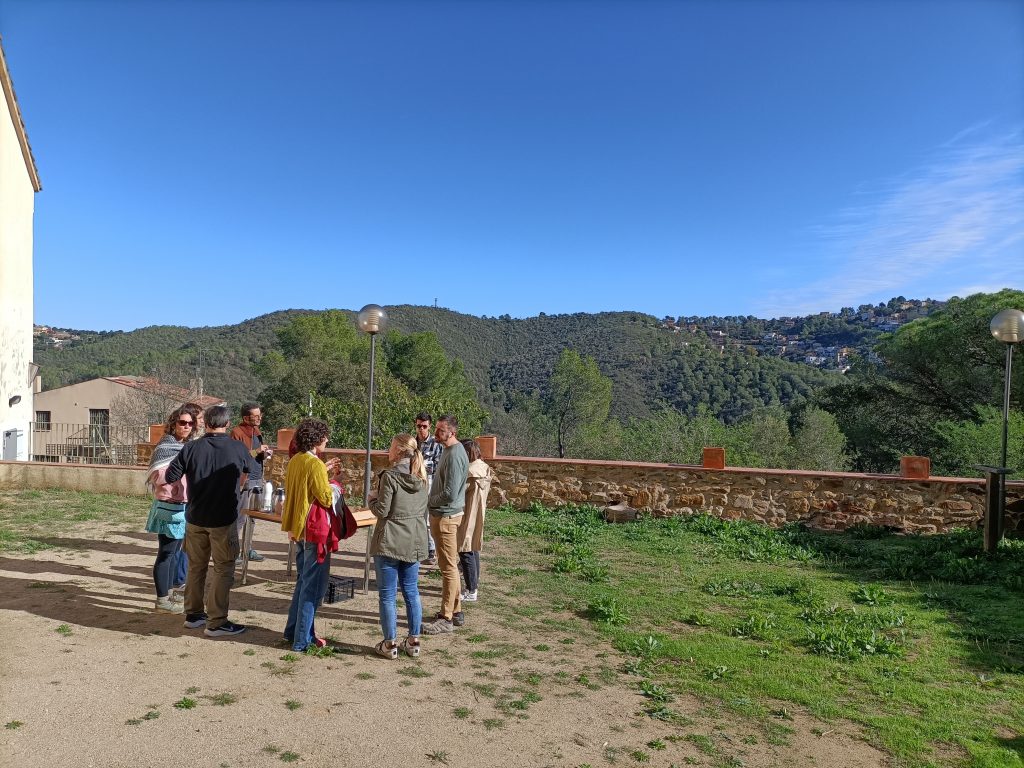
340	588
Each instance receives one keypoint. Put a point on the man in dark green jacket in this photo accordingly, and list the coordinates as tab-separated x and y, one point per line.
446	502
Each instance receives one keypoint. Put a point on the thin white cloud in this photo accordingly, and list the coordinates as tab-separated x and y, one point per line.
955	222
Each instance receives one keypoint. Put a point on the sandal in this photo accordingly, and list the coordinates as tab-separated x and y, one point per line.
386	649
411	647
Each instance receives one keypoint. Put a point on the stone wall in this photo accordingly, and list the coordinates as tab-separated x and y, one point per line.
830	501
95	478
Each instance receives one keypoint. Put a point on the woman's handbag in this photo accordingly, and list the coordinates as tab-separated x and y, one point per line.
345	516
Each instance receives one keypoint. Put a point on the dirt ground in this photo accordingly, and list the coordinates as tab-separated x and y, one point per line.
91	676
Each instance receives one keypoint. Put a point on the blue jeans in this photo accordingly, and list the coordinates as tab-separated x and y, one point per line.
390	574
310	588
180	571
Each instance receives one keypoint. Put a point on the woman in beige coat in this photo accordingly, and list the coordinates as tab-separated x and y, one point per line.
471	529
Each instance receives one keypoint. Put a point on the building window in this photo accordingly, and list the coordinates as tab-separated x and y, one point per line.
42	421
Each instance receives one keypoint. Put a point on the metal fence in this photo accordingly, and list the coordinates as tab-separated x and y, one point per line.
86	443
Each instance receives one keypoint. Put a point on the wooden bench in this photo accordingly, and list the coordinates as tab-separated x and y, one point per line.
364	519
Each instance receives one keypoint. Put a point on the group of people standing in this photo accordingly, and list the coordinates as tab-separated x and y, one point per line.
429	505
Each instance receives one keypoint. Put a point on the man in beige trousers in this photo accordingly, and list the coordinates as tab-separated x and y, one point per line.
446	504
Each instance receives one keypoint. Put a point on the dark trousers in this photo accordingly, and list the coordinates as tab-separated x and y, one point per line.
469	562
181	568
165	565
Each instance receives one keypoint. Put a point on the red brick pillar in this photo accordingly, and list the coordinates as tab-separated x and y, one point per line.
915	467
488	445
714	458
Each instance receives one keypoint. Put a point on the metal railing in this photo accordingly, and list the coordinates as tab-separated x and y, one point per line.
62	443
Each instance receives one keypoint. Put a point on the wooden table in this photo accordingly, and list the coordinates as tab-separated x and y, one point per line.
364	519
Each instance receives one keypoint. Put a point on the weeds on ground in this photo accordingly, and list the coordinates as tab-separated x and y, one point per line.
918	639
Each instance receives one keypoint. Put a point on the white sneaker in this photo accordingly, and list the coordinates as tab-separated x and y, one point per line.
469	597
165	605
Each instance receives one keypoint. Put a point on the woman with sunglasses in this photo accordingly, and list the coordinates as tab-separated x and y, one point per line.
167	513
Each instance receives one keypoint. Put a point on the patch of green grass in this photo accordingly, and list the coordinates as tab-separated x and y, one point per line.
414	670
186	703
702	743
492	723
325	652
291	658
28	518
191	690
916	639
462	712
438	756
288	757
292	704
65	630
477	638
13	725
249	652
278	671
365	676
542	647
489	653
487	690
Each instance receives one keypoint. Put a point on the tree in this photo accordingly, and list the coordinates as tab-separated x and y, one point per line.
324	356
159	393
818	443
941	368
963	445
578	401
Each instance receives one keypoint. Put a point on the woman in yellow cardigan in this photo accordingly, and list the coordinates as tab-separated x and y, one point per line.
307	480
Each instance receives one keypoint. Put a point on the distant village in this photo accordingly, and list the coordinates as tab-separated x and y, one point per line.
827	340
45	336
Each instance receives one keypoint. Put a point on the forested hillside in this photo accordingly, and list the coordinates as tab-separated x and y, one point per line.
503	358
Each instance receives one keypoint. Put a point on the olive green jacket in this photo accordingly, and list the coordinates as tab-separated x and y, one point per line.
400	508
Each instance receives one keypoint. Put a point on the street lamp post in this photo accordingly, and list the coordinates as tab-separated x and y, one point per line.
372	320
1007	327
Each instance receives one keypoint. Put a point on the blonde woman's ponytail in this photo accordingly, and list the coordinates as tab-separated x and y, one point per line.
406	445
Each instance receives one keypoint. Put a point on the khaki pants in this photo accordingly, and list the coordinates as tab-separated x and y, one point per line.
445	532
202	544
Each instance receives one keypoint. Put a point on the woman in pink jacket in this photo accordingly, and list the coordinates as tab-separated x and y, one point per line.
167	513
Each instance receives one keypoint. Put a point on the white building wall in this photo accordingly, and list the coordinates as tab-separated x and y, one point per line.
17	206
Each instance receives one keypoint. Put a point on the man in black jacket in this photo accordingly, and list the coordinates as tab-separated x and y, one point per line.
213	467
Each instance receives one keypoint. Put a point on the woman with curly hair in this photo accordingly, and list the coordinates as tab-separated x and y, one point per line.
307	483
167	513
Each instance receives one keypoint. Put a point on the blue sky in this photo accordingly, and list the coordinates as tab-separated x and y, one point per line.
206	162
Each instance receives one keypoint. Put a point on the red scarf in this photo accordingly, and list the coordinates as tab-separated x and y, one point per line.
250	431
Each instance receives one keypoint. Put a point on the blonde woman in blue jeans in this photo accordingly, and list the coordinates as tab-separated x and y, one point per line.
399	543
